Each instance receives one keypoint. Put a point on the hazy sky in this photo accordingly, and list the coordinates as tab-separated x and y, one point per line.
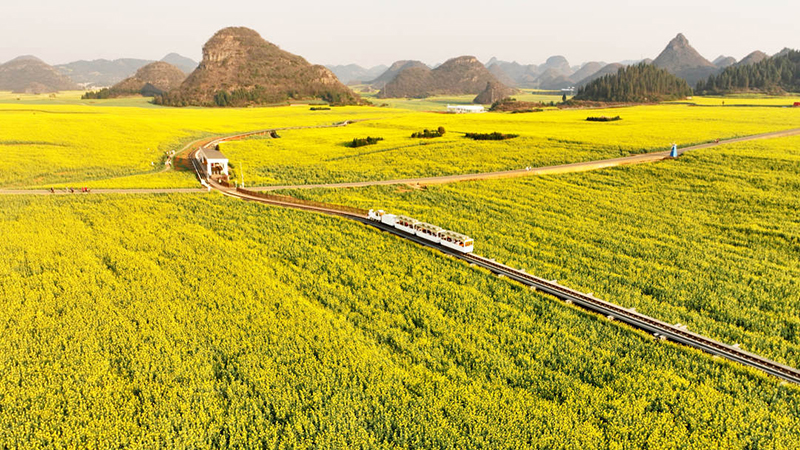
380	31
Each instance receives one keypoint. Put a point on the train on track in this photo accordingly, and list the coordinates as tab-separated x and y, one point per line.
446	238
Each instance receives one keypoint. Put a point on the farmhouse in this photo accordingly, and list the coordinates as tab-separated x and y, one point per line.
465	109
212	160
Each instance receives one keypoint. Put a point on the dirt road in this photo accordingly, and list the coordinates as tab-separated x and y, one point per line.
424	181
102	191
549	170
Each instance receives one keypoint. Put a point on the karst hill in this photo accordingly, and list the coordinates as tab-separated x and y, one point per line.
240	68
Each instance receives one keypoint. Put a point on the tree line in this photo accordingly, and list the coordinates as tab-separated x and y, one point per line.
640	83
775	75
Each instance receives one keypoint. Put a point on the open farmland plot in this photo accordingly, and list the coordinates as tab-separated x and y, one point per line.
745	100
546	138
112	146
711	240
179	327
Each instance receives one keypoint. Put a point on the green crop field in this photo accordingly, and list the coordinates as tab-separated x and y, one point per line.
711	240
205	322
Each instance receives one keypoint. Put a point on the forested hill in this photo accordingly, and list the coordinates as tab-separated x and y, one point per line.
776	75
636	84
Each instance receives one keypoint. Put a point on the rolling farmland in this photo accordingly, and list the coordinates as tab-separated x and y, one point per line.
199	321
298	321
710	240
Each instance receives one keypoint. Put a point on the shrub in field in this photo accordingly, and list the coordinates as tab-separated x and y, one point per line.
513	106
361	142
97	95
491	136
603	119
428	134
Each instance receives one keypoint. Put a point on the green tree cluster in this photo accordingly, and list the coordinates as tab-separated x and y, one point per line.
97	95
428	134
361	142
640	83
495	136
775	75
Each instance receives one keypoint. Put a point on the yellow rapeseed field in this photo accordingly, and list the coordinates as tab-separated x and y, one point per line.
546	138
711	240
65	141
45	144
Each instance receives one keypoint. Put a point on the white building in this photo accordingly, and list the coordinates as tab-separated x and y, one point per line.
465	109
214	162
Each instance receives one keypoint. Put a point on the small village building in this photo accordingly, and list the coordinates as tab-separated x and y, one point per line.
213	161
465	109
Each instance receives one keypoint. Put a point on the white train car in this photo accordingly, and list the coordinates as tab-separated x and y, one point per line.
381	216
428	231
446	238
405	223
457	241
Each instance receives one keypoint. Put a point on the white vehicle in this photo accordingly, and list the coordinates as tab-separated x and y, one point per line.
428	231
375	215
456	241
405	223
381	216
446	238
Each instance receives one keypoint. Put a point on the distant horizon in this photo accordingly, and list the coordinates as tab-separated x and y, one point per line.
389	63
369	34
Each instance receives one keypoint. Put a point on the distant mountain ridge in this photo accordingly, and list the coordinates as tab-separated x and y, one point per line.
456	76
101	73
755	57
29	74
187	65
351	73
586	70
554	73
723	61
240	68
153	79
391	73
608	69
681	59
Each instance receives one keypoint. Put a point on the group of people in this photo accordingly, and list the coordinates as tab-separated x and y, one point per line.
85	190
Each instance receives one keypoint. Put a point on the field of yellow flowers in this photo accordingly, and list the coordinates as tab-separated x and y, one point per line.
198	321
122	143
710	240
546	138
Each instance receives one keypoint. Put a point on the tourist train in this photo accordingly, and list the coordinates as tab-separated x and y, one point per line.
427	231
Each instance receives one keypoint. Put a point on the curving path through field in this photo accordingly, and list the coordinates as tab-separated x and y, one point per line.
660	329
548	170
